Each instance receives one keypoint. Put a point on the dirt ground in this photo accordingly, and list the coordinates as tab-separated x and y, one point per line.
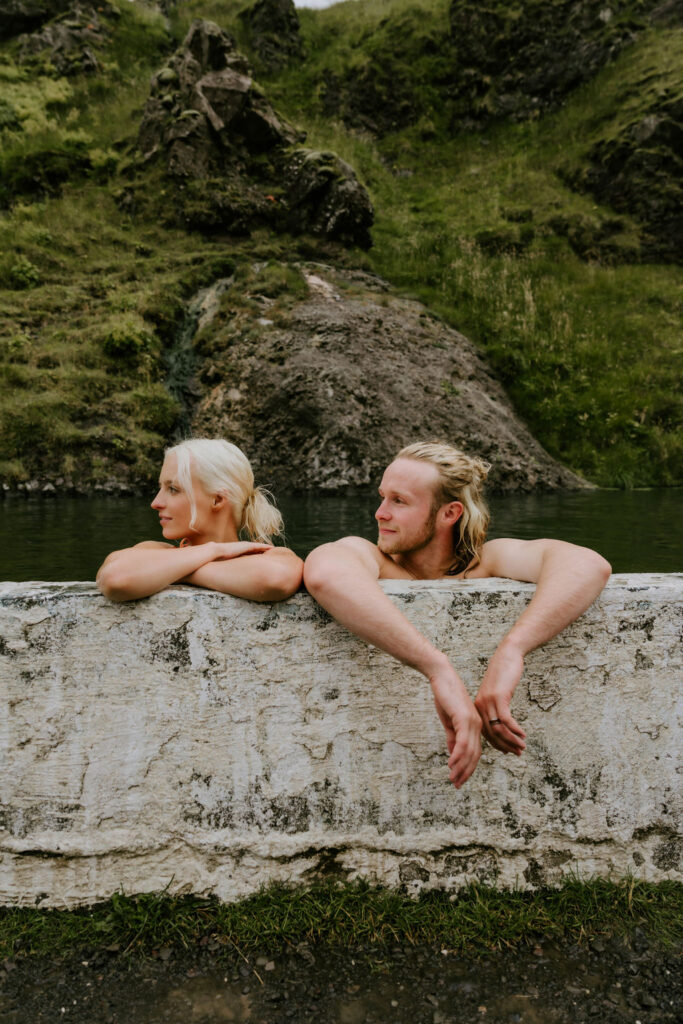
606	981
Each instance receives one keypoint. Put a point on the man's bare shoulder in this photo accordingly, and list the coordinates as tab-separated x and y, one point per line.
511	558
361	546
371	556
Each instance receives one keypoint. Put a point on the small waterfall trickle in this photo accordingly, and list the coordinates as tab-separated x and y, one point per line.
181	358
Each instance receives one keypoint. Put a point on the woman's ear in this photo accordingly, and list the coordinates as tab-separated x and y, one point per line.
218	503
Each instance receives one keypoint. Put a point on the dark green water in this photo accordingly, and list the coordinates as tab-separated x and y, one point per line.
67	538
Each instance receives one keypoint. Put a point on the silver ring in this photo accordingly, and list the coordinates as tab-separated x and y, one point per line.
494	721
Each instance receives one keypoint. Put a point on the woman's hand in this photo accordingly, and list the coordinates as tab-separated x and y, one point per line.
273	576
235	549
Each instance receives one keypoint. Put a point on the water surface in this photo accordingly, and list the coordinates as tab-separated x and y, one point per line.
66	538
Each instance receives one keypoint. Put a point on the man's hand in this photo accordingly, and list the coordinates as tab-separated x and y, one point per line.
495	695
461	722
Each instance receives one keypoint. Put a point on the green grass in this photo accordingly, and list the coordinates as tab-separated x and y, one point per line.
472	921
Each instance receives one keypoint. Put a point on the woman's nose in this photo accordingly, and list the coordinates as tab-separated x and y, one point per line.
157	503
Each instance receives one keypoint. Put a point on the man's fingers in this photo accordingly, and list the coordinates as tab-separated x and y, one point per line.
505	745
464	758
503	738
500	721
461	772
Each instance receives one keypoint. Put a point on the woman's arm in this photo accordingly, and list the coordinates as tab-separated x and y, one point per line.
149	567
269	576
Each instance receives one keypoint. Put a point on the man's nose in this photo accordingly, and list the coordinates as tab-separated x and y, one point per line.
383	512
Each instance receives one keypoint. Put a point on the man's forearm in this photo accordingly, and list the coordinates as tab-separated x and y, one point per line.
567	585
568	579
346	587
347	591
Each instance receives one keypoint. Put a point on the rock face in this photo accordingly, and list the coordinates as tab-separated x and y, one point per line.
517	61
194	742
273	29
218	136
204	112
70	39
640	172
497	60
322	392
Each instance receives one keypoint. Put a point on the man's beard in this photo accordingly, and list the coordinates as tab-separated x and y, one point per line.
407	544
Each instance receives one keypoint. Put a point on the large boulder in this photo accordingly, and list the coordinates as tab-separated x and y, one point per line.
325	192
323	389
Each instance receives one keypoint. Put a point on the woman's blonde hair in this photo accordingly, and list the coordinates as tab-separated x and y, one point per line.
223	468
461	478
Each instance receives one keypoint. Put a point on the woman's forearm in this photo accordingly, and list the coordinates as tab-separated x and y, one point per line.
272	576
140	571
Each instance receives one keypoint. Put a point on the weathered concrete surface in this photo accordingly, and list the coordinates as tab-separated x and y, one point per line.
205	743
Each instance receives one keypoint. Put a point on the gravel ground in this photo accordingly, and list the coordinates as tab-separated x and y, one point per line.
549	984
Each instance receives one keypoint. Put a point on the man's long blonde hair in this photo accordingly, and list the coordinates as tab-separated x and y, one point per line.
223	468
461	478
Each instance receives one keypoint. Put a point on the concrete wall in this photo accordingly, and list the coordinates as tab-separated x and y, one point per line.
207	744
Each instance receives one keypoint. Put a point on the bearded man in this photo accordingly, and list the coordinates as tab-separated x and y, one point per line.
432	524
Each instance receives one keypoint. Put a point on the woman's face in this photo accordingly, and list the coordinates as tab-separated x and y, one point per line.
173	504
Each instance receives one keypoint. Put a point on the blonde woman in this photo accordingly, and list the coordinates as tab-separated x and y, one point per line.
206	499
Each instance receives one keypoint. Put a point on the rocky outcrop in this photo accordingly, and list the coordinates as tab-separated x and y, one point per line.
273	30
639	171
324	192
515	62
322	391
204	113
69	41
236	159
497	61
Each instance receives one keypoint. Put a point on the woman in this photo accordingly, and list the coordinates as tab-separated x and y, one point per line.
206	497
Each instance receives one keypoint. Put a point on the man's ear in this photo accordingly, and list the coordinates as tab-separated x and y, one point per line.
452	512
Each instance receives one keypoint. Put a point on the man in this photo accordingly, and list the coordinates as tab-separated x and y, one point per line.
432	524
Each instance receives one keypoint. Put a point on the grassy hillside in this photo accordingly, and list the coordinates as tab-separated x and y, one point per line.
484	223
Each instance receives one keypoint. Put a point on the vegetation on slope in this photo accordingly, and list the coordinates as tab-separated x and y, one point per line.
496	226
484	227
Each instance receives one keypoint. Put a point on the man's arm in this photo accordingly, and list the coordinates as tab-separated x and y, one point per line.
568	579
343	578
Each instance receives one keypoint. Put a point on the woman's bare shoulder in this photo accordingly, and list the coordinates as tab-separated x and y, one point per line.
153	544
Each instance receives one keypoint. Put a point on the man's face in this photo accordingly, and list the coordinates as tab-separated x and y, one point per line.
406	516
